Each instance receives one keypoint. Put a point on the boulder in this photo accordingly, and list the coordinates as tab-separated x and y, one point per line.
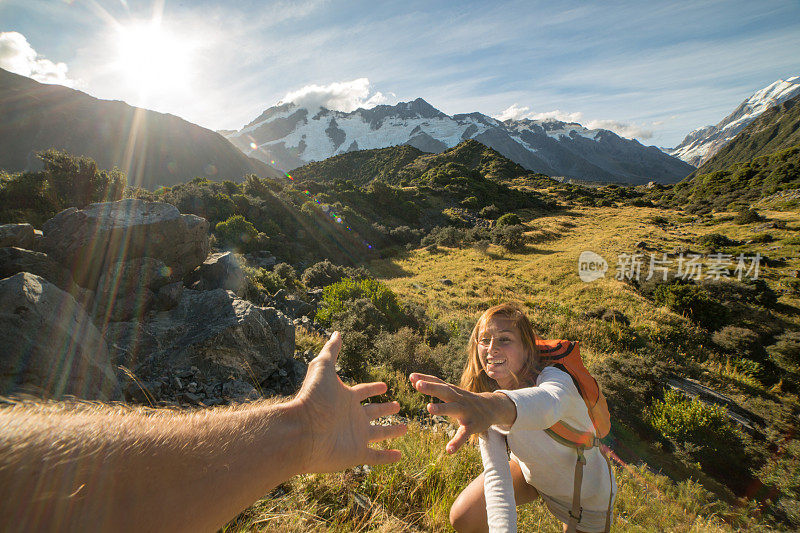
18	235
91	240
296	308
221	335
219	271
50	347
129	343
168	296
127	289
15	260
262	259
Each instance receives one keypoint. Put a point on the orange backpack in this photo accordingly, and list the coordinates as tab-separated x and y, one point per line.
565	356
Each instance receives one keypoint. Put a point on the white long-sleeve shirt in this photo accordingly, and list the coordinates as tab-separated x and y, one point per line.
546	464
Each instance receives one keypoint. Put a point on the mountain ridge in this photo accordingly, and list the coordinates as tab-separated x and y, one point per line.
293	136
153	148
775	129
703	143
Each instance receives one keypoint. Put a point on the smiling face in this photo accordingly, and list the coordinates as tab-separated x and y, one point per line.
501	351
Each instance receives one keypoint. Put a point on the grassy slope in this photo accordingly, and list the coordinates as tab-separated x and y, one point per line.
416	494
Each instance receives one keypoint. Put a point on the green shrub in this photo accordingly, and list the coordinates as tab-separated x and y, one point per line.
490	211
747	216
339	297
715	241
659	220
762	238
353	354
286	272
509	219
786	351
629	384
691	300
236	232
405	351
323	273
736	340
444	236
702	430
482	245
511	238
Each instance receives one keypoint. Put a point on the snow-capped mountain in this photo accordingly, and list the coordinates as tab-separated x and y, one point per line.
288	136
701	144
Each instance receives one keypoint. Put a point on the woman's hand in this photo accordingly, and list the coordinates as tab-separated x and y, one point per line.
474	412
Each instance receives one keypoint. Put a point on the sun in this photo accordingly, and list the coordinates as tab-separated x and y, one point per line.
152	58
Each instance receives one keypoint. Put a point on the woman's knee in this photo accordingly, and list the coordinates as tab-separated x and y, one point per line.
468	512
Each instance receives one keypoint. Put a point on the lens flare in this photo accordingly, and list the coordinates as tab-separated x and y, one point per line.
254	146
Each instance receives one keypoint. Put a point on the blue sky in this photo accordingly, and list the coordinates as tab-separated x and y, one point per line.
649	70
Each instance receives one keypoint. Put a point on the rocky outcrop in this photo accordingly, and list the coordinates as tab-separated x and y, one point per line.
18	235
15	260
90	241
50	347
224	337
128	288
162	343
219	271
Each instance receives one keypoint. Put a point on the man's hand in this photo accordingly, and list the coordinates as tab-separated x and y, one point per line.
337	424
474	412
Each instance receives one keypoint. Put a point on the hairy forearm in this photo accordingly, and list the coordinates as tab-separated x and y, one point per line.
115	470
502	409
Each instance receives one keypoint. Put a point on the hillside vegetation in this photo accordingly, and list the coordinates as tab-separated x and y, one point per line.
412	265
740	184
404	165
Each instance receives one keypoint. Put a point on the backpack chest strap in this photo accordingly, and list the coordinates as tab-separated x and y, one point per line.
569	436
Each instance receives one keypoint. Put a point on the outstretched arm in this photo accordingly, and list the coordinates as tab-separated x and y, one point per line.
475	412
102	468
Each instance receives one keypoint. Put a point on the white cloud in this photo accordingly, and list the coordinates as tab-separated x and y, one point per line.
623	129
513	112
339	96
18	56
557	114
517	112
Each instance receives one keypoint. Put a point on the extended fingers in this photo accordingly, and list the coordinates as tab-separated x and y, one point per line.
365	390
416	376
377	433
330	352
458	440
377	410
445	409
442	390
382	457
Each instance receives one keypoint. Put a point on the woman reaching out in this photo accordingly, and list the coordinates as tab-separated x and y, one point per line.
510	400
